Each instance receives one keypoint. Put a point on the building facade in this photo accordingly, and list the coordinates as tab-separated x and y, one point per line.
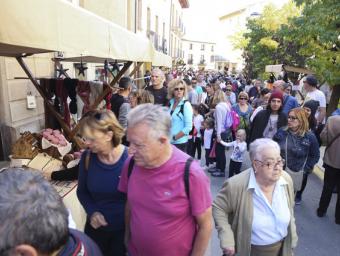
158	20
234	21
199	54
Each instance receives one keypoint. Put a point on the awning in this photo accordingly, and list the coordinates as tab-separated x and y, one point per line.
161	59
40	26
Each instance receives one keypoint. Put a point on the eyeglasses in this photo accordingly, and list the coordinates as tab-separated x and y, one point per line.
293	118
272	164
242	98
179	89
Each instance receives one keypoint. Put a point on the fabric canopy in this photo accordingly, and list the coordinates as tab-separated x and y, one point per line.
161	59
40	26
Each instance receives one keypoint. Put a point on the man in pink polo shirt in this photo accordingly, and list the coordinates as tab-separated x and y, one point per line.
162	219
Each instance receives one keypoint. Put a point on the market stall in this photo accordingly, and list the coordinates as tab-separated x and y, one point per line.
39	26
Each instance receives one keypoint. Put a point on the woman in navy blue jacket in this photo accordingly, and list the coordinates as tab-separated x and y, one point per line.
299	146
99	174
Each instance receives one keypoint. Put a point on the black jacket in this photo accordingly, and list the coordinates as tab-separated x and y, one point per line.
260	122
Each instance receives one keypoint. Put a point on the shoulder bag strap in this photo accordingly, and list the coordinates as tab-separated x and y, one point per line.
304	164
186	175
87	160
131	165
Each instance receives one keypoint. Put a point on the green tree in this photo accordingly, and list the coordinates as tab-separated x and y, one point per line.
318	32
265	40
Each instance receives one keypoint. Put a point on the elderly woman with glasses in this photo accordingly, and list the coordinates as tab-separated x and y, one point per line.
254	211
181	114
299	147
99	174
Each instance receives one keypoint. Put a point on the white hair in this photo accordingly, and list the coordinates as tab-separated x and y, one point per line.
259	145
156	117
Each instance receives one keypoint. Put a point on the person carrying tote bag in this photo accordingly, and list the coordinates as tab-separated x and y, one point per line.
299	147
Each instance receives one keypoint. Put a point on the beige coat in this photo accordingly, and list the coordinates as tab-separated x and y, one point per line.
233	214
331	130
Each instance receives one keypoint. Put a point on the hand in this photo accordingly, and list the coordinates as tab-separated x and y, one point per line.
229	251
97	220
218	139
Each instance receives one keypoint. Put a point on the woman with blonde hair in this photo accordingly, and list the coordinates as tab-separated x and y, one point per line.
181	114
300	149
222	107
99	174
140	97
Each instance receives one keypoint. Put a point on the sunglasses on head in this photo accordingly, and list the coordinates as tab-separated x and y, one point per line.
179	89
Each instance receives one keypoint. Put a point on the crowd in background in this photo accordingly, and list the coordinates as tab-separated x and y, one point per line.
144	193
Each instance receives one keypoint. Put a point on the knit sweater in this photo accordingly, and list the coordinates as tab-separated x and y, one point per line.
98	190
233	214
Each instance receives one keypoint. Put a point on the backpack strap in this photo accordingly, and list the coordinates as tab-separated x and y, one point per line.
87	160
130	168
181	110
186	175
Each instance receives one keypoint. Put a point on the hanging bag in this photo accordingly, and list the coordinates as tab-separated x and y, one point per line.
297	177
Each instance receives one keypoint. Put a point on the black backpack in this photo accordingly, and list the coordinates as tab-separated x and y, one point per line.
185	177
132	163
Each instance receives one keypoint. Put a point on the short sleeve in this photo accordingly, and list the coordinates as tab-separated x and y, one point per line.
200	195
123	183
322	99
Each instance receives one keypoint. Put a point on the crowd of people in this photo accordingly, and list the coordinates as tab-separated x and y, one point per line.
145	194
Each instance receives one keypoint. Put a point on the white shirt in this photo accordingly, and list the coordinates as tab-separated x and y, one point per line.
238	149
207	138
318	96
270	222
271	127
197	124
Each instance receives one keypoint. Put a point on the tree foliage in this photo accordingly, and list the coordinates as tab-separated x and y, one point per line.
265	41
303	33
318	31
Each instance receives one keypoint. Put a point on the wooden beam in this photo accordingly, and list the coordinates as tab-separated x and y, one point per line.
113	82
104	93
136	68
59	118
298	70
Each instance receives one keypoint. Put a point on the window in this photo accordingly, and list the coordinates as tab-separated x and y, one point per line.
212	58
212	48
202	47
148	21
190	47
139	13
202	57
190	59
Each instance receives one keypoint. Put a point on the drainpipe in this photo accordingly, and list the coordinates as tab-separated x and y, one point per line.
170	48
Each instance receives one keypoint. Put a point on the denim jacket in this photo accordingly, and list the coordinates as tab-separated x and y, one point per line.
299	148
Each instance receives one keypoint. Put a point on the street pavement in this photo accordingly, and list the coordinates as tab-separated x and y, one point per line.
317	236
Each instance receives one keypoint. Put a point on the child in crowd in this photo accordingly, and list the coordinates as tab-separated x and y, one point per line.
208	141
196	139
239	148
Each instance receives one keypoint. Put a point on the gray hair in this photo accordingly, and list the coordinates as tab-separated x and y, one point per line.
156	117
31	212
259	145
